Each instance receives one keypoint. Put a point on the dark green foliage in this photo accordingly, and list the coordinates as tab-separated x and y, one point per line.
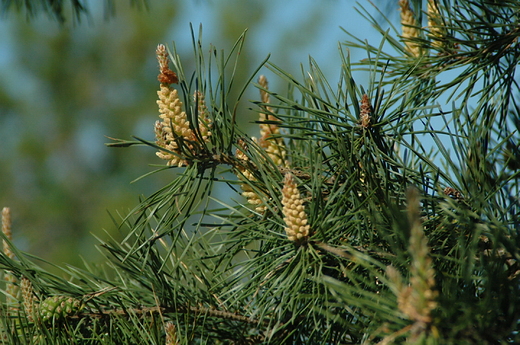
60	10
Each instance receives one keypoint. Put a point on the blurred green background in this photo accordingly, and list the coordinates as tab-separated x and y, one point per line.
64	87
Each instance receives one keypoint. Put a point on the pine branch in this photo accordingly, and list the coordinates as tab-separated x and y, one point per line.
196	311
317	237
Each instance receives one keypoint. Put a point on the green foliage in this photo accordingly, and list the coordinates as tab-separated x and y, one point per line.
385	262
58	8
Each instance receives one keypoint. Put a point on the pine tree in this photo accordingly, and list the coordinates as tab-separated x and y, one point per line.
377	212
